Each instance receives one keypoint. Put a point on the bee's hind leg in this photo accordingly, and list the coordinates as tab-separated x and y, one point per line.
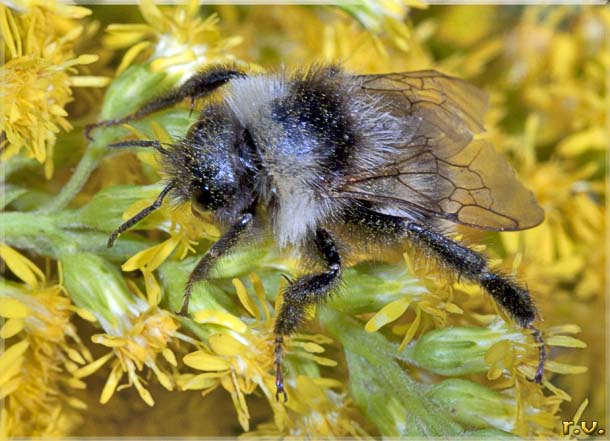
460	260
197	86
512	297
305	291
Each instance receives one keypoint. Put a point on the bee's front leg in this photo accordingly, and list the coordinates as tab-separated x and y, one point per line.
199	85
308	290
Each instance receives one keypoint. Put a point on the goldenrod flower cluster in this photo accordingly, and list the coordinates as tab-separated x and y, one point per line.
91	343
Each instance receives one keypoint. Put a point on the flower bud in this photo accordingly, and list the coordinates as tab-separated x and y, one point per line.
474	405
96	285
453	351
130	90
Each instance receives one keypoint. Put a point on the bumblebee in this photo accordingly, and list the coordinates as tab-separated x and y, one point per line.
332	163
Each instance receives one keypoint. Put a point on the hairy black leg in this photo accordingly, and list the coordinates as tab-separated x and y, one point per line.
141	215
198	86
139	143
207	262
514	299
305	291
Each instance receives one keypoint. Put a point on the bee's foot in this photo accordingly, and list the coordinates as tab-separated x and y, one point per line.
541	353
184	311
279	378
279	384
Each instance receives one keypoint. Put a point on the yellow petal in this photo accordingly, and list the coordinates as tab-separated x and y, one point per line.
411	331
163	63
565	341
76	384
323	361
563	329
76	403
314	348
160	134
580	411
131	55
558	392
245	299
497	352
12	40
11	327
224	344
75	356
84	314
494	373
109	340
11	355
88	81
205	362
595	138
153	289
562	368
85	371
213	316
202	381
387	314
8	387
169	356
162	377
259	289
111	383
152	257
21	266
12	308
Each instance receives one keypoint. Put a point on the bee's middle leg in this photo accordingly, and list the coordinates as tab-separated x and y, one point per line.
305	291
214	254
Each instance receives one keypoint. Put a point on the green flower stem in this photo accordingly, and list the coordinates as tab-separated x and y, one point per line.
34	232
16	164
87	164
386	394
44	235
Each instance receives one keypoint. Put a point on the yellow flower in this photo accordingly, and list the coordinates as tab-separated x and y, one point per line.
513	364
135	348
175	38
38	77
386	16
315	411
137	331
239	357
36	372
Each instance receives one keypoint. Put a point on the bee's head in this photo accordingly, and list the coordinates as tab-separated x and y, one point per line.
207	165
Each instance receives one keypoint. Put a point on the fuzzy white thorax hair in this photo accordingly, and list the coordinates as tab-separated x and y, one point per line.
247	96
290	175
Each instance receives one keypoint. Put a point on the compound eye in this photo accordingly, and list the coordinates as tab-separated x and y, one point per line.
205	199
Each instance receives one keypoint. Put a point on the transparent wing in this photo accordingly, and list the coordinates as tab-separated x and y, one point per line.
440	169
